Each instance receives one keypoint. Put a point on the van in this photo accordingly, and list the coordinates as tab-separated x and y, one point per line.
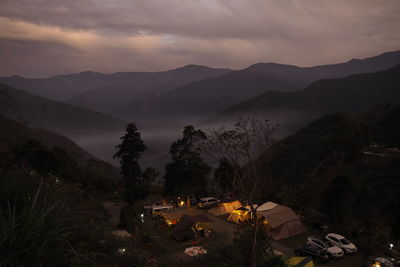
208	202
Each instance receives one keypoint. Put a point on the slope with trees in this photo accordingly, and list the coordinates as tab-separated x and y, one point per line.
63	118
340	165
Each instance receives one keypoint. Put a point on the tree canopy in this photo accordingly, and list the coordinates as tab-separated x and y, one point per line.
187	173
129	152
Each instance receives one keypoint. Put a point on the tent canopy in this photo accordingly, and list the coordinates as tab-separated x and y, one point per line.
282	221
185	223
267	206
239	215
278	215
225	208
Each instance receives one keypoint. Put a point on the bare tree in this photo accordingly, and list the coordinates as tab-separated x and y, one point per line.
246	148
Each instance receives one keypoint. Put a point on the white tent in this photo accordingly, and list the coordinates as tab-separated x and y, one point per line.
282	221
267	206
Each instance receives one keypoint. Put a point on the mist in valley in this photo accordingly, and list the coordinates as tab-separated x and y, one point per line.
158	135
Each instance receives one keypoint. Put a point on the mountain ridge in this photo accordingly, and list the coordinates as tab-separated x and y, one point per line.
213	95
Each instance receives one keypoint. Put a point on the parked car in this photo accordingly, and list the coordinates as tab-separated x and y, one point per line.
313	251
333	251
341	242
207	202
157	209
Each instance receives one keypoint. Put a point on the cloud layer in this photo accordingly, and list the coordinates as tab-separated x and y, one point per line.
47	37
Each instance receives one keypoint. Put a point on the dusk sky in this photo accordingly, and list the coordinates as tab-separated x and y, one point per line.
48	37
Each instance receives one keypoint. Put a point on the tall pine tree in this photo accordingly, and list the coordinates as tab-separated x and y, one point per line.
129	152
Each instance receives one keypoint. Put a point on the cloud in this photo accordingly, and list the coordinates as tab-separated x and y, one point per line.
137	35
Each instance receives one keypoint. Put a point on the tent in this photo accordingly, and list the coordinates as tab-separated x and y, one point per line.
282	221
225	208
239	215
267	206
183	227
300	262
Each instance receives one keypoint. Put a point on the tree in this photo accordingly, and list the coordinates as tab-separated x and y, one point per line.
223	175
187	173
246	149
129	152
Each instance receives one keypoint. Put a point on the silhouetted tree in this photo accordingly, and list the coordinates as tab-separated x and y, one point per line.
223	175
129	152
187	173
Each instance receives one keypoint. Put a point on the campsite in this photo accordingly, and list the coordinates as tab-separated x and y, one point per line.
286	230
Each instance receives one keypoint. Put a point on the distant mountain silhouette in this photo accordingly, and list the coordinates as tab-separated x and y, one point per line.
208	96
103	92
354	93
66	119
128	87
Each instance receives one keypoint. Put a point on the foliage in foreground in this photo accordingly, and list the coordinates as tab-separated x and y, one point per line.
34	235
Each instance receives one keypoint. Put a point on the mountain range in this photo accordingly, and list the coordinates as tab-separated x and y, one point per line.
106	92
93	108
206	97
354	93
190	91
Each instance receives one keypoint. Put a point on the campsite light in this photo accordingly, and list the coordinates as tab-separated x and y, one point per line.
390	246
122	251
181	203
142	217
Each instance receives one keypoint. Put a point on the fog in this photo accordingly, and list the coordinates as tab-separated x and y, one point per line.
158	135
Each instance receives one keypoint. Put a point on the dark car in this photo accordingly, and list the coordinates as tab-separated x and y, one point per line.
313	251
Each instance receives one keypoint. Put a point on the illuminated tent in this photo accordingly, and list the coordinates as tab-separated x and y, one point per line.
225	208
282	221
239	215
300	262
181	229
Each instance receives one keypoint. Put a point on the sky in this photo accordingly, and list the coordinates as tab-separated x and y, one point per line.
40	38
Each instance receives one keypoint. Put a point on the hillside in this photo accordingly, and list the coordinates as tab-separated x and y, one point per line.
13	135
63	118
338	165
354	93
205	97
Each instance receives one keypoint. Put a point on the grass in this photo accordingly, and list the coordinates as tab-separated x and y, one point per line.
34	233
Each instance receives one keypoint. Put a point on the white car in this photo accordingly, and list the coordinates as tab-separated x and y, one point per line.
341	242
333	251
207	202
